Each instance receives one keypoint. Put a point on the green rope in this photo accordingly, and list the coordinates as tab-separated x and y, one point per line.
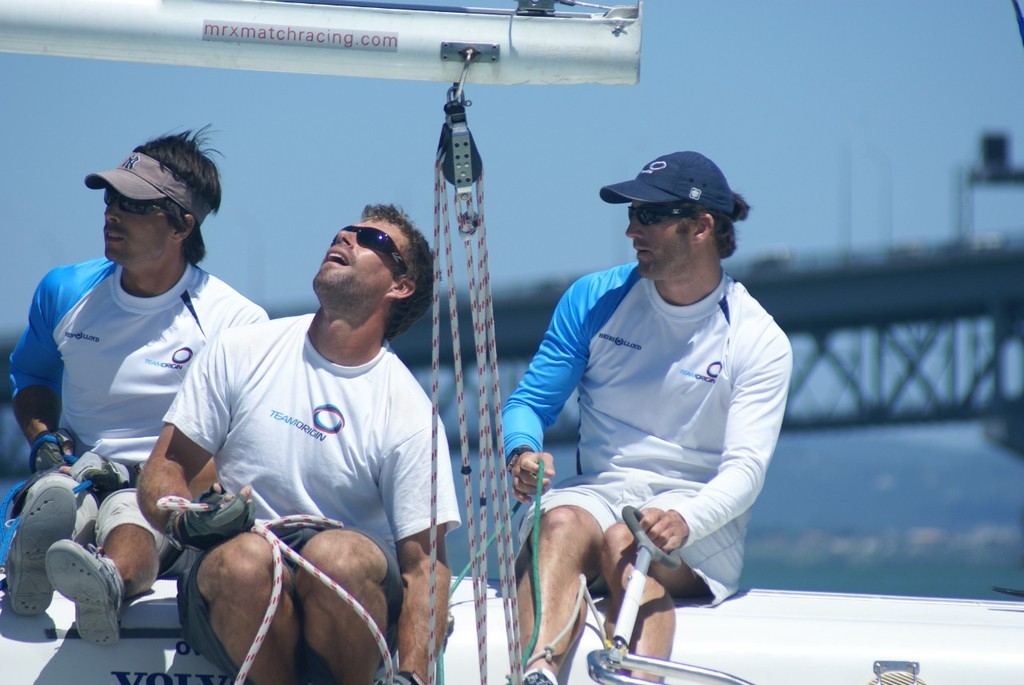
535	563
490	541
535	570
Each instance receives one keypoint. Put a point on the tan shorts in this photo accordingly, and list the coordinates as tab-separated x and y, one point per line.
93	522
121	507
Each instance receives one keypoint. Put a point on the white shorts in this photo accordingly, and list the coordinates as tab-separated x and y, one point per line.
717	558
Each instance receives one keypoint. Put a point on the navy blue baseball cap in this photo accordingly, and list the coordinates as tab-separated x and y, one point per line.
676	177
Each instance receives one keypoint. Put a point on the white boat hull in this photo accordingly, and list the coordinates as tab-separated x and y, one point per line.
765	637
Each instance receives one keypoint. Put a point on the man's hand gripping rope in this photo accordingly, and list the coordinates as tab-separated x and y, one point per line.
56	450
51	449
102	474
531	476
211	520
215	517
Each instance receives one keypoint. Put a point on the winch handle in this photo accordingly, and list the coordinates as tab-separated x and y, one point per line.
631	517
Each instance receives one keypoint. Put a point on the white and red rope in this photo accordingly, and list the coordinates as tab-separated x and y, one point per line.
278	548
493	493
442	240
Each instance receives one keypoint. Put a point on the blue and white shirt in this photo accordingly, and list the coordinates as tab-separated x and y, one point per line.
683	401
117	360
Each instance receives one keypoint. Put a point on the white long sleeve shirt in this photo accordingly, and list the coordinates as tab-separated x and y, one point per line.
683	402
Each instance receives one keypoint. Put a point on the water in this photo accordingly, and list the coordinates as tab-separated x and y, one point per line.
930	512
935	511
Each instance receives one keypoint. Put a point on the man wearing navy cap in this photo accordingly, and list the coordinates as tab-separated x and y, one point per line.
107	345
682	379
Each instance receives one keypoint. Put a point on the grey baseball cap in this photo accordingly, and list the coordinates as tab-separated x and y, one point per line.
141	177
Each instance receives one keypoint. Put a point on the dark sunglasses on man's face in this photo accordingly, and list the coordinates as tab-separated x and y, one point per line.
378	241
648	215
127	204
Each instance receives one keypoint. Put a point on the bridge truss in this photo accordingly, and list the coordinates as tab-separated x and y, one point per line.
932	336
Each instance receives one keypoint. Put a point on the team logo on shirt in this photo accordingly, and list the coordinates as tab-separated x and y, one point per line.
328	418
620	342
180	357
80	336
710	373
299	424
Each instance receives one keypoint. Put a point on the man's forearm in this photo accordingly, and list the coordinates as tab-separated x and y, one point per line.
414	622
36	409
161	476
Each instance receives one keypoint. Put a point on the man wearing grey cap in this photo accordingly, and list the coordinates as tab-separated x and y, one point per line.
107	345
682	379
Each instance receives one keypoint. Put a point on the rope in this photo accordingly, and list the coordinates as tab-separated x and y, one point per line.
549	649
432	601
496	466
278	548
492	497
535	560
469	564
434	665
441	218
459	163
466	229
598	620
10	526
582	593
483	337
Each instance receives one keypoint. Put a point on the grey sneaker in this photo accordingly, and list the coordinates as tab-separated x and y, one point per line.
92	582
48	515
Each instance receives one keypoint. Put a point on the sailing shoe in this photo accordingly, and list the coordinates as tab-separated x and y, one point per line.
92	582
539	677
48	515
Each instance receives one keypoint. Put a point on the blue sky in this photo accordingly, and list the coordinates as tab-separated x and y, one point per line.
809	107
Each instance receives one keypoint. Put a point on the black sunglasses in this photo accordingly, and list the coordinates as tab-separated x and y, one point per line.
127	204
648	215
378	241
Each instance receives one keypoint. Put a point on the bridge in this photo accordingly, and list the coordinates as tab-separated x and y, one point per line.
902	337
925	334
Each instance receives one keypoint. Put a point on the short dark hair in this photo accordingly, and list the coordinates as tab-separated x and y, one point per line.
188	155
420	262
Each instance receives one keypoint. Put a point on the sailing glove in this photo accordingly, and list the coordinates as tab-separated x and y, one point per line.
50	449
227	518
106	475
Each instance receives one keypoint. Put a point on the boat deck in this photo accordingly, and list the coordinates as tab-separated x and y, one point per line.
766	637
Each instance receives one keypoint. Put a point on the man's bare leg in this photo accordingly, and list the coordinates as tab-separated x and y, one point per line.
133	550
654	631
570	544
235	579
330	627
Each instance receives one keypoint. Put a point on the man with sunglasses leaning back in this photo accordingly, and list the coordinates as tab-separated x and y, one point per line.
682	379
107	344
315	416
